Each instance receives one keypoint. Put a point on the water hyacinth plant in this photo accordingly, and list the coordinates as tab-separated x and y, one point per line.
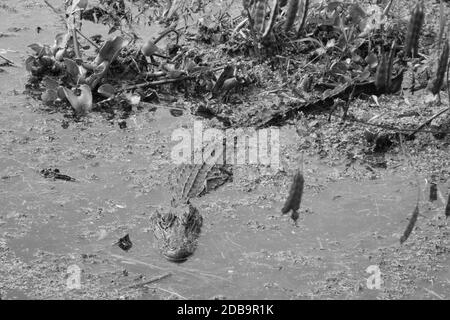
82	104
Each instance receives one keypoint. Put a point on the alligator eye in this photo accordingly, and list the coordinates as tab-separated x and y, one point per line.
167	220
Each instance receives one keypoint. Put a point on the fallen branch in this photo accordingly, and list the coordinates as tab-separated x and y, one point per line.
239	27
343	92
53	8
429	121
56	11
87	39
158	83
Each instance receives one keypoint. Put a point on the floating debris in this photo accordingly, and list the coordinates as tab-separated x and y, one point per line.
122	124
125	243
433	192
55	175
295	196
411	224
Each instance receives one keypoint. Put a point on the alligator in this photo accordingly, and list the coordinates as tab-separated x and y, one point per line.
177	227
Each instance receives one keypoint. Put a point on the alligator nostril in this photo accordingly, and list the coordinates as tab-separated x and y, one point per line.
177	255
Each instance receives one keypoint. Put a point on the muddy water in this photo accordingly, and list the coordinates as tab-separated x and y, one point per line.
247	249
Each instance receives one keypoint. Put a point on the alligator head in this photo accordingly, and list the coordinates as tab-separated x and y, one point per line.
177	231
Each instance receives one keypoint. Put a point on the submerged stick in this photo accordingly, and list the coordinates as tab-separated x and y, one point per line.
411	224
7	60
415	214
154	279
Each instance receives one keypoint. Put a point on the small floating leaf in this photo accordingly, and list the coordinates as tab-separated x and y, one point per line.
106	90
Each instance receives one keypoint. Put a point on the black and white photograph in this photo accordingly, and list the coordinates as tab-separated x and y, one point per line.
249	151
